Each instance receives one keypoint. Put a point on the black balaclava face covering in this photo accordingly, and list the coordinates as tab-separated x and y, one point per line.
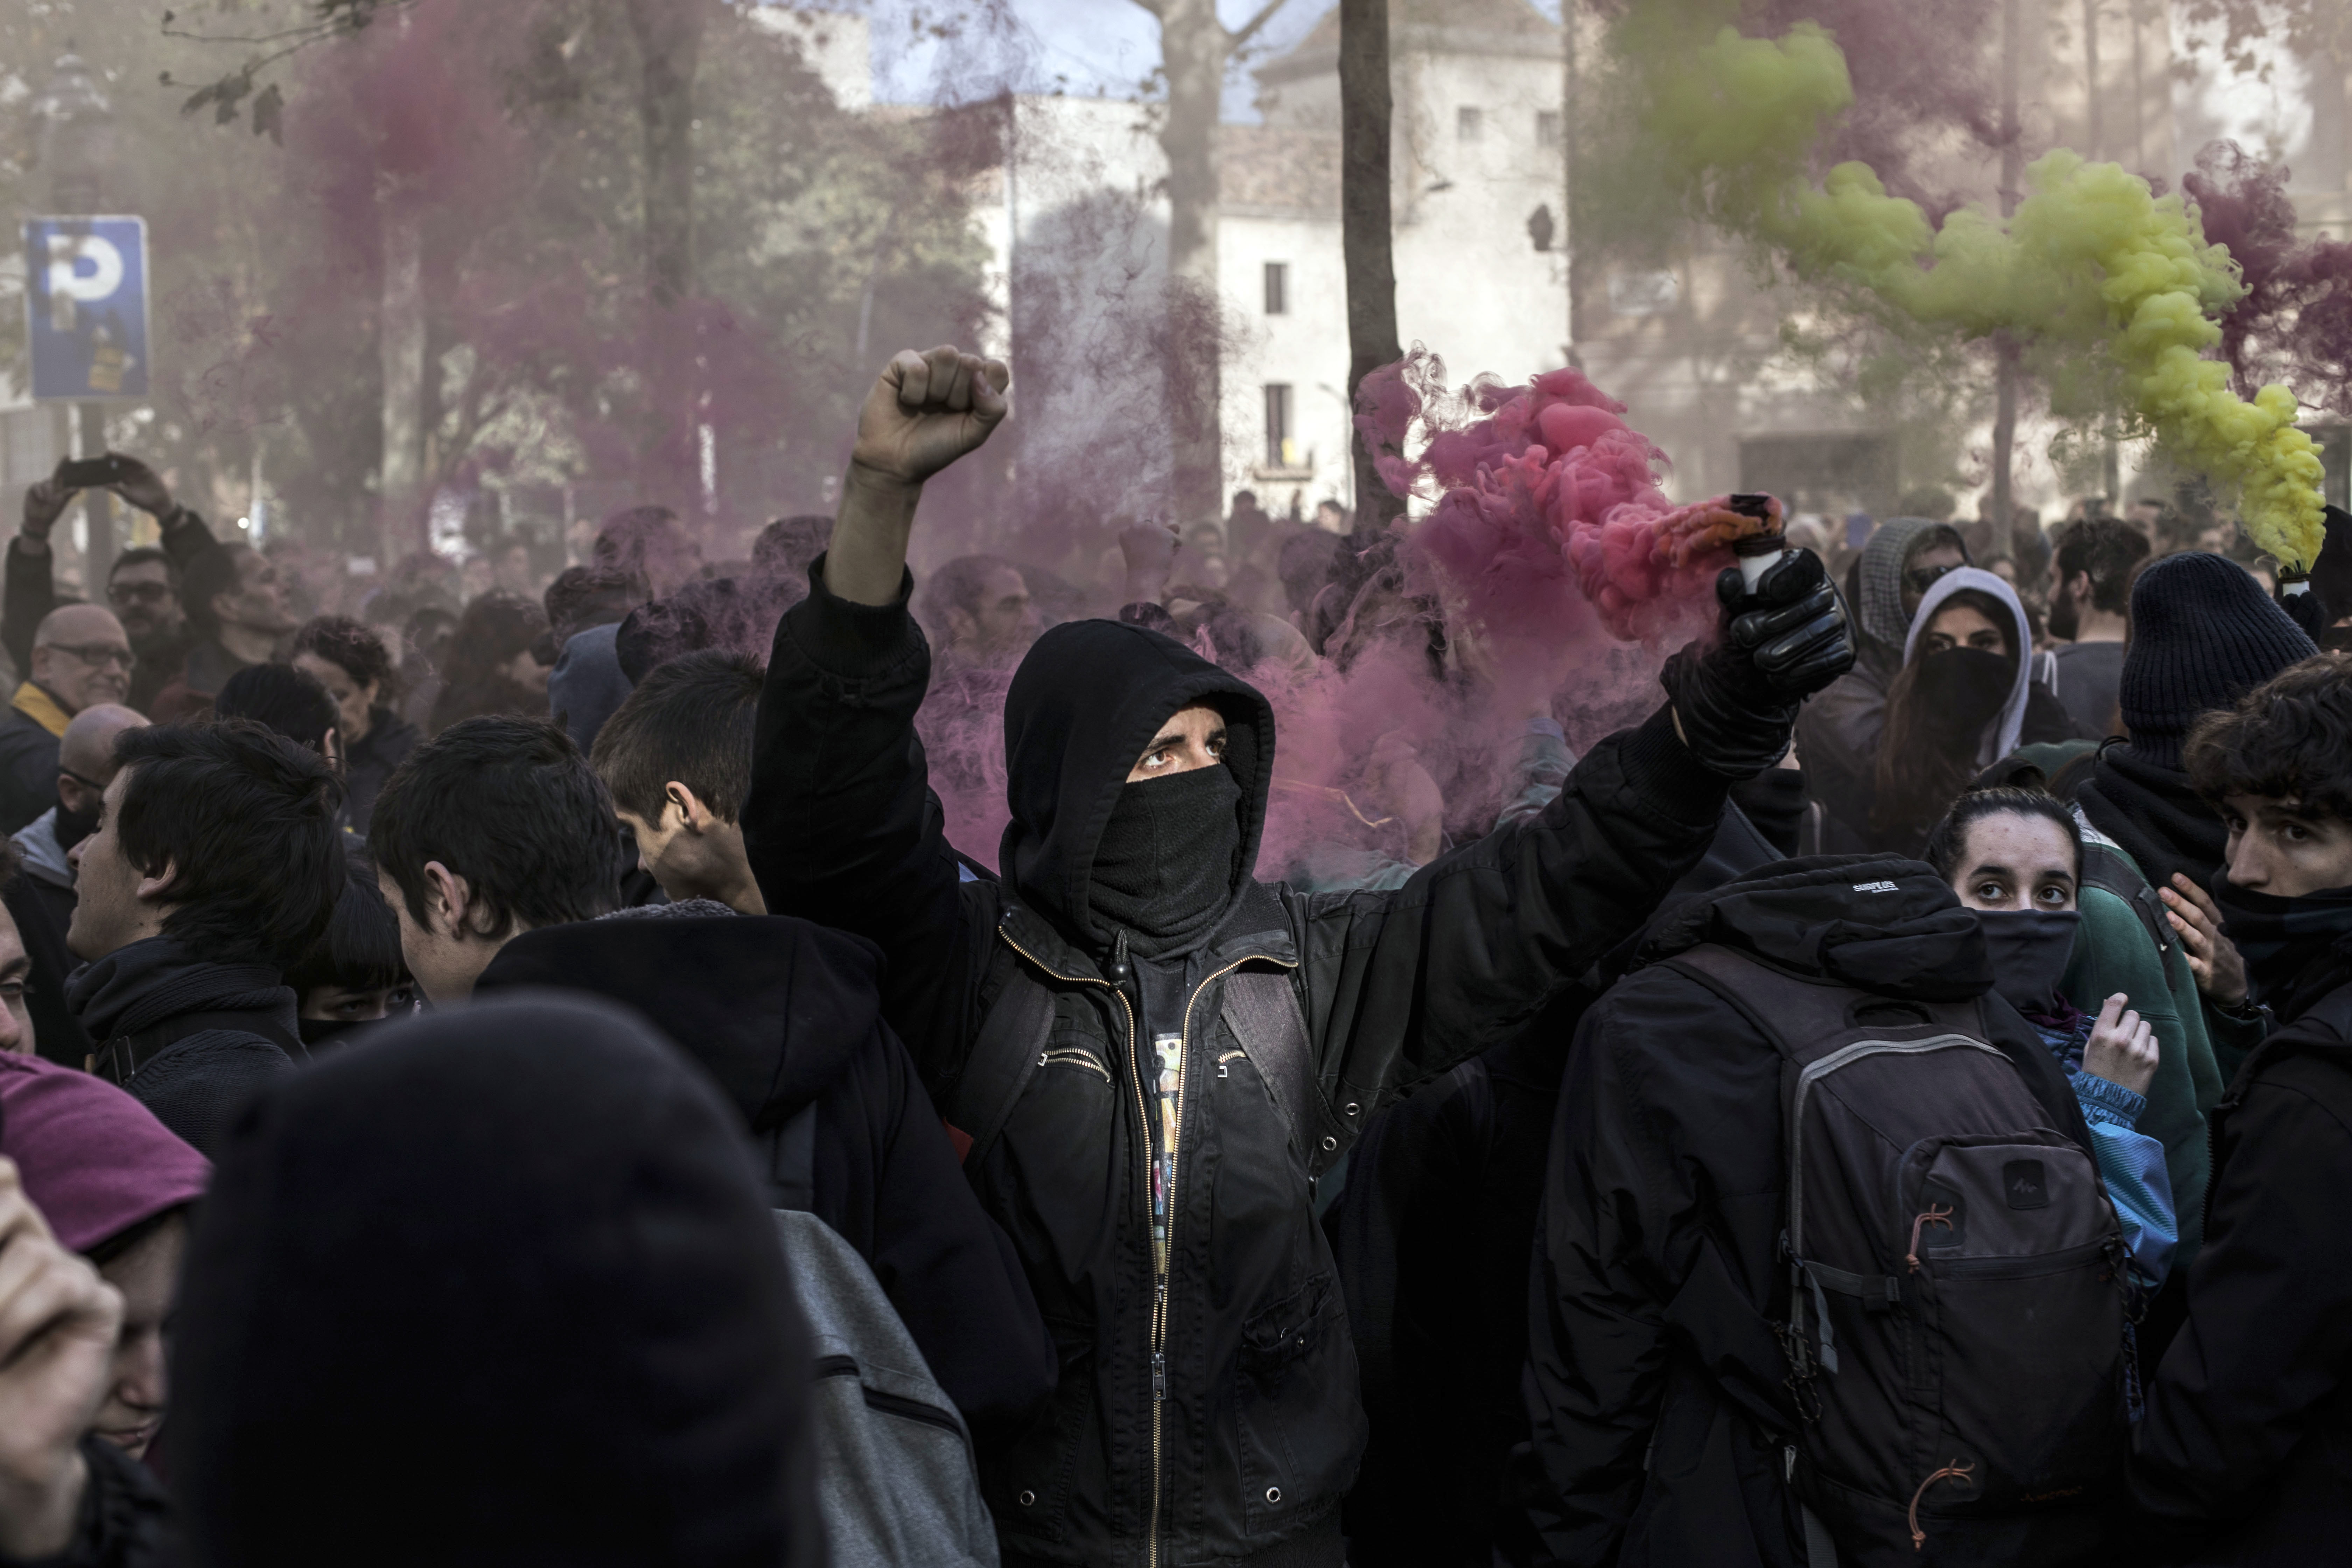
1164	870
2029	950
73	826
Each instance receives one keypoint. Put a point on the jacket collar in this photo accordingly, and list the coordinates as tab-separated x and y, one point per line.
42	709
1256	929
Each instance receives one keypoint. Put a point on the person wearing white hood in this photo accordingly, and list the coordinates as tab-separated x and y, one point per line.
1965	699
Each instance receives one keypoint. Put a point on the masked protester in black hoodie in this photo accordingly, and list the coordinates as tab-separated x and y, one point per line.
2245	1453
1659	1394
1154	1055
566	1336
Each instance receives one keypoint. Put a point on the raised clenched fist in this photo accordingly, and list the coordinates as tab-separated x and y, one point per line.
927	410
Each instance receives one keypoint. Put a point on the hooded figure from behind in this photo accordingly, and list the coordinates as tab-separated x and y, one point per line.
1152	1056
567	1337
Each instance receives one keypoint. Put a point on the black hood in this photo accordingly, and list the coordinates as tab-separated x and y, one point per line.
772	1007
500	1288
1085	702
1876	922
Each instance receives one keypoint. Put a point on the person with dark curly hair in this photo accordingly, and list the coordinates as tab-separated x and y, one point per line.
491	666
351	662
2245	1452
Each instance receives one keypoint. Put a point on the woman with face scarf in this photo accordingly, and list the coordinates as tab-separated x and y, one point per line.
1964	700
2015	857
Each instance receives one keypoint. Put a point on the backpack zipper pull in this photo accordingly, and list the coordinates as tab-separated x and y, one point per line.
1159	1375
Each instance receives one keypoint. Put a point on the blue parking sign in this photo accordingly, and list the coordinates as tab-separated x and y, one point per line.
85	306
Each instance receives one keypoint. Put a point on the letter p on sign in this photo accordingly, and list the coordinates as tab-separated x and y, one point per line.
83	269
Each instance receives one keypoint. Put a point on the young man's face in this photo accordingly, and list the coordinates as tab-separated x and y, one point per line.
2278	847
108	913
258	603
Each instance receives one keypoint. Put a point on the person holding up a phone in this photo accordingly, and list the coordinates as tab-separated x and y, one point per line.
142	584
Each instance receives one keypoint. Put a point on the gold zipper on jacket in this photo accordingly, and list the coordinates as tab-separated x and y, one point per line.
1164	1250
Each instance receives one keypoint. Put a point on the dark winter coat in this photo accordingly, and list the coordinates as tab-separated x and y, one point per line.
28	769
2245	1453
1225	1422
781	1013
370	759
41	902
1433	1235
1655	1387
194	1084
125	1520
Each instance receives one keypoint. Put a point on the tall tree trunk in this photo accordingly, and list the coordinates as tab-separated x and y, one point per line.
1193	45
1365	231
2004	424
669	45
400	336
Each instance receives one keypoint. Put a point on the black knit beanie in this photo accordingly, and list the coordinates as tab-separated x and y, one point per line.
2203	634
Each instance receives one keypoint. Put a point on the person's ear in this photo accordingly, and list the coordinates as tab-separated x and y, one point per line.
152	887
44	661
73	793
961	625
448	902
692	815
226	596
331	746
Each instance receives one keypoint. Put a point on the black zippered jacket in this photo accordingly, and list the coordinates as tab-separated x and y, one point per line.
1227	1422
1656	1385
2245	1453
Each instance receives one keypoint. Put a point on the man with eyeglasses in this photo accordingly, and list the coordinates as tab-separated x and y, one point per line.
80	658
143	586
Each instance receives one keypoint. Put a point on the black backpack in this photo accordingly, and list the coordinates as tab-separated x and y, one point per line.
1958	1321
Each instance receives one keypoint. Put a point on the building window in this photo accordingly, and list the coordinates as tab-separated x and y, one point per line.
1469	123
1539	226
1281	446
1546	127
1278	288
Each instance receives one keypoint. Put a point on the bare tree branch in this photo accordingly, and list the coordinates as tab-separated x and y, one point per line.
1243	34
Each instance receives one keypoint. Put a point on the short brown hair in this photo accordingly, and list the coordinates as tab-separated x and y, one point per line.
690	719
2288	739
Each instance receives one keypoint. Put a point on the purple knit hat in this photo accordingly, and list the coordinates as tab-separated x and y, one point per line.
95	1161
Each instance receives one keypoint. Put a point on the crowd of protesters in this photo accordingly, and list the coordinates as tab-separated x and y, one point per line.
552	1077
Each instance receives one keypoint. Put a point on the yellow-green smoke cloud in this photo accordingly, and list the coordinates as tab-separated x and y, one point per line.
2111	287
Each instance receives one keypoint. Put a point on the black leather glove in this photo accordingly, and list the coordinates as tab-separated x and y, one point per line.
1736	701
1794	628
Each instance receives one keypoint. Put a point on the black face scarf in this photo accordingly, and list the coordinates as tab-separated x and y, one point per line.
2029	950
73	826
1163	871
2285	941
330	1032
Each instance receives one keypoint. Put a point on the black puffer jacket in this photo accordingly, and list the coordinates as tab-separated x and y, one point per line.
1217	1425
2245	1453
779	1012
1655	1387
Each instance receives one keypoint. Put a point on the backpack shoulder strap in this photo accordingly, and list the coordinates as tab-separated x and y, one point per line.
792	1161
1261	1008
1016	1019
2104	870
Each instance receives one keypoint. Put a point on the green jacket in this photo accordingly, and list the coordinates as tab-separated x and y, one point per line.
2200	1044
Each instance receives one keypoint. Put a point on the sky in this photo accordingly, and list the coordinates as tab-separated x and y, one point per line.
1087	47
